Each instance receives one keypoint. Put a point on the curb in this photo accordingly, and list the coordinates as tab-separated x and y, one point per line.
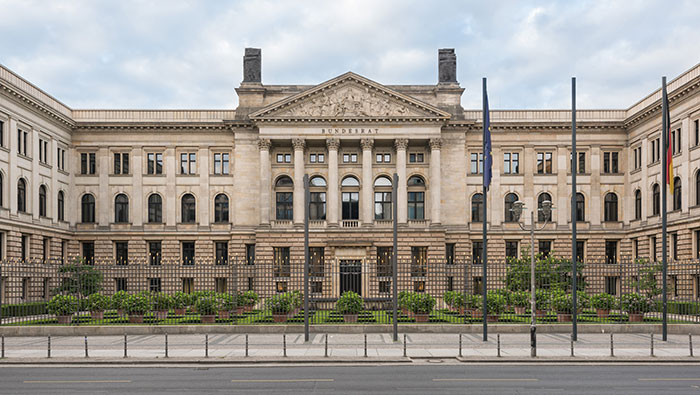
204	361
119	330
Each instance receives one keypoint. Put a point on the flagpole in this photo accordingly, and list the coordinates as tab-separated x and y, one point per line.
483	238
664	175
574	164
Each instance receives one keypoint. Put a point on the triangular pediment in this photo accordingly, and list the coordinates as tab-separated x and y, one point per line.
350	96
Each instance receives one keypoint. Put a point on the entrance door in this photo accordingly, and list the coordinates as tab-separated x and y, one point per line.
351	276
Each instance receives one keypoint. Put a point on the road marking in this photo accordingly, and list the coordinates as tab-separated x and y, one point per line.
282	380
671	379
530	380
75	381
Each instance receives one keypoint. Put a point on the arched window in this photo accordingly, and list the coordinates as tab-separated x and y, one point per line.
155	209
540	204
416	198
676	193
285	198
477	207
610	212
121	209
188	208
382	198
317	196
655	199
22	195
508	205
580	207
350	198
87	209
221	208
42	201
637	204
61	206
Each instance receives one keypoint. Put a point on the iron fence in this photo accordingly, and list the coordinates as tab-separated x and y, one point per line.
241	291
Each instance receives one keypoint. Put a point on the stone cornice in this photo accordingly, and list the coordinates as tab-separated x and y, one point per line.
163	127
38	106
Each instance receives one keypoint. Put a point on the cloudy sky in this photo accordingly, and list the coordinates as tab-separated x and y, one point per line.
188	54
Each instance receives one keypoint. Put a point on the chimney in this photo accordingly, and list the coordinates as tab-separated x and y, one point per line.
252	66
447	66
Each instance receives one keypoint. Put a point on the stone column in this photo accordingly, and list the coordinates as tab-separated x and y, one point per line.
402	199
435	185
332	210
265	182
299	145
367	184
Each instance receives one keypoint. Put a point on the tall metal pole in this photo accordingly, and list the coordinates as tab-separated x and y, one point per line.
306	257
483	240
533	306
664	175
574	252
394	254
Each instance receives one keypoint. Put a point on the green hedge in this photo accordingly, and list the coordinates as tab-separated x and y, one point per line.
23	309
685	308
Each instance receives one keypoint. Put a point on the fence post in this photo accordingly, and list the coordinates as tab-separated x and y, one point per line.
572	344
284	344
246	344
498	344
125	346
86	347
306	257
2	291
365	344
404	344
48	347
612	353
206	345
326	347
3	348
652	344
460	345
690	344
166	345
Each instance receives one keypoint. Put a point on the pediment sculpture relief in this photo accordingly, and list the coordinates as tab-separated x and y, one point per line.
348	101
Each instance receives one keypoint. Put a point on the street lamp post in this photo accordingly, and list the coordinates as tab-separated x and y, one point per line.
517	212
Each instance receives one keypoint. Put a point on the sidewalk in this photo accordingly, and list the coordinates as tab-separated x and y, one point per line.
341	347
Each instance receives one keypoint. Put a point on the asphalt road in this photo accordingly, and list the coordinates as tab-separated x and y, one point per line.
413	379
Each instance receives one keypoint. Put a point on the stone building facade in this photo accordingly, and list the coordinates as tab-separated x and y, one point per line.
209	185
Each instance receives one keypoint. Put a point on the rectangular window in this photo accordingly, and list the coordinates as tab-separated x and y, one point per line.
511	249
120	284
188	253
580	251
250	254
655	150
676	141
383	158
45	249
384	287
450	283
317	205
652	249
697	132
87	163
450	253
154	284
2	133
155	163
697	244
611	284
64	244
610	162
61	158
674	246
220	285
187	285
419	261
637	158
281	286
25	248
121	249
511	163
477	249
280	258
188	163
544	247
316	261
416	157
476	285
221	252
22	142
544	163
611	252
121	163
221	164
317	158
477	163
349	158
635	248
154	253
43	151
251	283
284	158
581	168
384	262
88	252
416	205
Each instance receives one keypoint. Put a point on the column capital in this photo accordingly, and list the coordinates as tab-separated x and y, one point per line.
264	144
367	144
435	143
401	144
333	143
299	144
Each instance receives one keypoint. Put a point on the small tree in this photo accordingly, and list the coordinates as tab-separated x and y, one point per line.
646	282
82	280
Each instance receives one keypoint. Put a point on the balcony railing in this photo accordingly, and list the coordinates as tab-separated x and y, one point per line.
282	223
350	223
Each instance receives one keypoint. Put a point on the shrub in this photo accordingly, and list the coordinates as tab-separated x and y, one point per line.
137	304
119	300
563	303
403	299
63	305
181	300
196	295
449	298
520	298
349	303
248	298
281	304
603	302
297	298
97	302
161	301
495	302
505	293
421	303
472	301
541	299
635	303
81	279
226	302
207	305
24	309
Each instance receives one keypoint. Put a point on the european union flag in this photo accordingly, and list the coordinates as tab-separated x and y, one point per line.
488	159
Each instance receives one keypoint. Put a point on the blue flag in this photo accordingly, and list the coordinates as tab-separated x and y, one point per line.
488	159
